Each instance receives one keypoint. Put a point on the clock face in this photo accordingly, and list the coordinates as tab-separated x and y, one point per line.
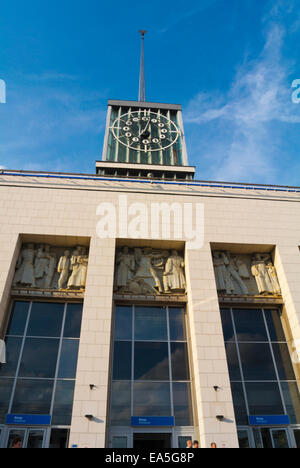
145	131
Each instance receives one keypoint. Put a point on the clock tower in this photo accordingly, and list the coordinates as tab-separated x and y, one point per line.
144	139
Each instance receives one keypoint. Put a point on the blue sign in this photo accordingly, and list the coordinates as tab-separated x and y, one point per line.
28	419
152	421
275	420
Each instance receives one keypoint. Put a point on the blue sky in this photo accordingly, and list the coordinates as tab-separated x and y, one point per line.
230	63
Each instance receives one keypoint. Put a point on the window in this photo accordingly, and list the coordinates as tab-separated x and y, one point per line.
262	376
150	375
42	349
59	438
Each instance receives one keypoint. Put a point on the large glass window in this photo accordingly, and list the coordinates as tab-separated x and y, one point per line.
42	349
262	376
151	375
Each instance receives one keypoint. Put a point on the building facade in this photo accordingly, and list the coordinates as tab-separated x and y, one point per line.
140	308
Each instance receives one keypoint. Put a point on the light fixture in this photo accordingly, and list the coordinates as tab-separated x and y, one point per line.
217	388
92	386
220	418
90	417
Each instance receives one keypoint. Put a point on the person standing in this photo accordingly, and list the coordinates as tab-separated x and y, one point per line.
189	444
195	444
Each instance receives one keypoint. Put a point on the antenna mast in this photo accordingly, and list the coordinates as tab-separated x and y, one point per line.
142	89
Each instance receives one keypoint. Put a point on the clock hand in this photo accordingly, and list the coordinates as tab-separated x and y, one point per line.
144	129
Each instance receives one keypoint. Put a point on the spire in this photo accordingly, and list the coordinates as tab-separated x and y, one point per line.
142	90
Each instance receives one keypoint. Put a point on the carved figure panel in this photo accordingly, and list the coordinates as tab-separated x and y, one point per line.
245	274
149	271
41	266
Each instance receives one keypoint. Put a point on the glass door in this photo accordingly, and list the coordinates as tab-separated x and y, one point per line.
244	439
280	438
25	438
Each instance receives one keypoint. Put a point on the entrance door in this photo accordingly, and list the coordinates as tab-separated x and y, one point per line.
273	438
244	438
30	438
280	438
152	441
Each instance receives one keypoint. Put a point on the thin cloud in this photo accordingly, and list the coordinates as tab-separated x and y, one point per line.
205	4
246	119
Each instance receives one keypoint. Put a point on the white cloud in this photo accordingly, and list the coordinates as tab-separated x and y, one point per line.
246	118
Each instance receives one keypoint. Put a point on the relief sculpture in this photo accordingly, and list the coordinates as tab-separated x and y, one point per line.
149	271
51	268
245	274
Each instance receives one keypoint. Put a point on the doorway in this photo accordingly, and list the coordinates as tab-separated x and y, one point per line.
152	441
25	438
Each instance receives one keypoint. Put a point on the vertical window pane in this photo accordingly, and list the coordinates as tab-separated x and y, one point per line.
297	437
63	403
244	442
68	360
257	362
292	400
123	323
13	347
250	325
264	398
45	319
150	323
151	399
177	324
32	397
180	361
240	409
151	361
283	361
183	408
5	394
59	439
18	318
120	412
233	361
39	358
273	318
227	325
122	360
119	442
73	321
35	439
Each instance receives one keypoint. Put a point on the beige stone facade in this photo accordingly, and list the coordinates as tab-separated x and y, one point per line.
62	211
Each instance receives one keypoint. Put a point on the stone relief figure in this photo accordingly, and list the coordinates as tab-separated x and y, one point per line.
242	268
79	264
125	268
234	272
41	261
260	272
146	271
273	277
25	268
174	277
52	260
83	262
75	278
63	268
149	271
223	277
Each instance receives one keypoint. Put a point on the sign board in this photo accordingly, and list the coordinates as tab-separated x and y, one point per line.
28	419
274	420
153	421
